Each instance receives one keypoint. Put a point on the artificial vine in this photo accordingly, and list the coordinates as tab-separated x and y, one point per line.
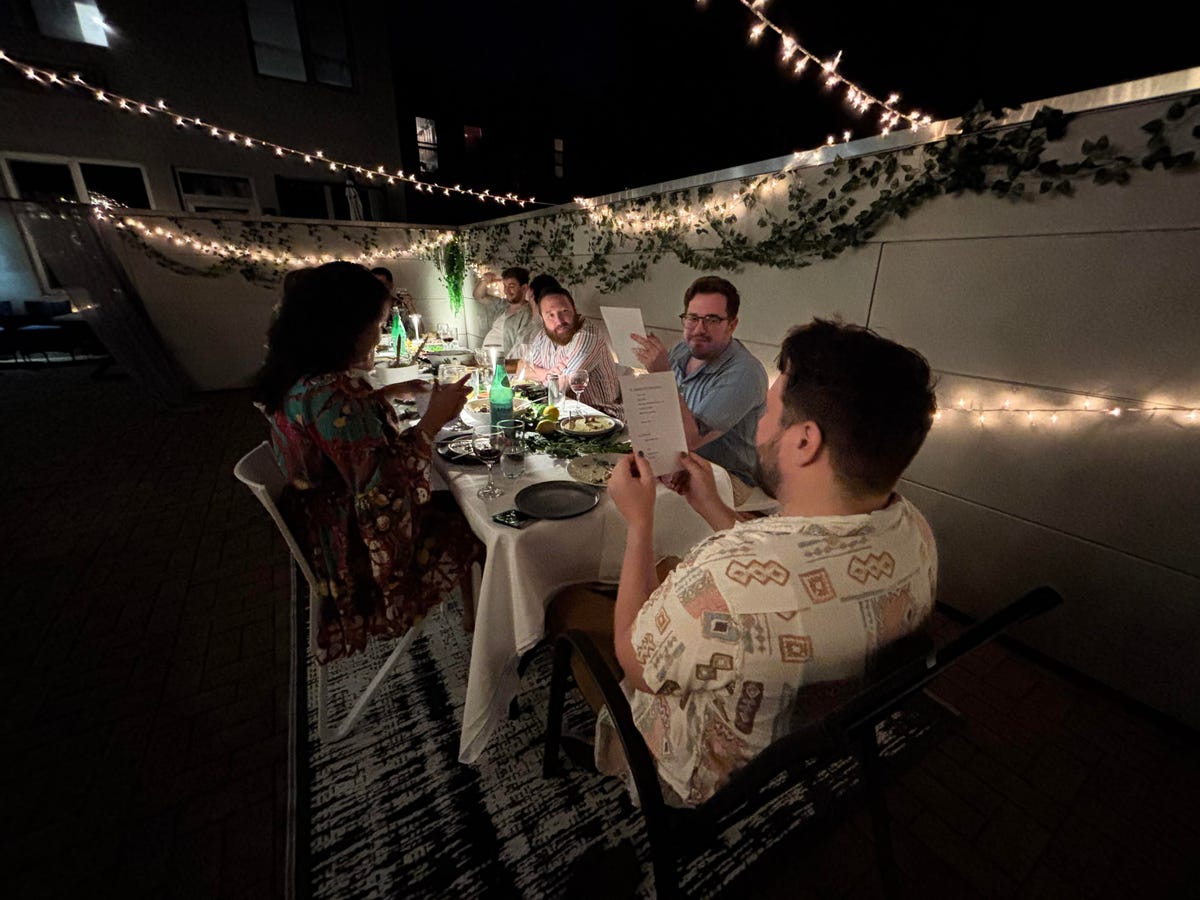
845	207
842	209
451	261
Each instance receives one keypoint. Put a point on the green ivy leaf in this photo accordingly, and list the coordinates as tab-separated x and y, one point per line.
1176	111
1065	188
1154	126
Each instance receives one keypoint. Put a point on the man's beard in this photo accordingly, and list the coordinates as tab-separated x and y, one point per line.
766	469
563	341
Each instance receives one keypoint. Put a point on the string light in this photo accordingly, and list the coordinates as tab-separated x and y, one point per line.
103	210
857	97
181	120
982	414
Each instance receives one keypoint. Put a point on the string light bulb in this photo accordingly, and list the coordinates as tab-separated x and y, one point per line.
856	96
247	142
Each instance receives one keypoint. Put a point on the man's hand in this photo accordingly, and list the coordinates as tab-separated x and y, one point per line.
699	489
651	352
632	487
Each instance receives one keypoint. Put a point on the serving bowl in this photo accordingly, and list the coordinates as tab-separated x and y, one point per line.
589	427
479	411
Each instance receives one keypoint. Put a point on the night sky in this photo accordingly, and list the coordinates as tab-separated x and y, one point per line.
650	90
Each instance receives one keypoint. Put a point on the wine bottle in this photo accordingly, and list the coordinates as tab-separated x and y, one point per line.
501	397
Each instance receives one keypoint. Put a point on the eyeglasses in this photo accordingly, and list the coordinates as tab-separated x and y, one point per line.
711	321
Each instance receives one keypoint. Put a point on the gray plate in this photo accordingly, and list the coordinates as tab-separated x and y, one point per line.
556	499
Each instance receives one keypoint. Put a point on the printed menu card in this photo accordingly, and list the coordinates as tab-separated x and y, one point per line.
653	419
621	321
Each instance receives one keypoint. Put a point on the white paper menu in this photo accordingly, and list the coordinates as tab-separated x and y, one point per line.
621	321
653	419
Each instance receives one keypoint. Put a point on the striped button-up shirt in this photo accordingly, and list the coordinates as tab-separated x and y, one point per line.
586	350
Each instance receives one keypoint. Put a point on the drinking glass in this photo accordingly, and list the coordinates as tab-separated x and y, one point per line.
512	448
447	332
578	380
487	443
448	373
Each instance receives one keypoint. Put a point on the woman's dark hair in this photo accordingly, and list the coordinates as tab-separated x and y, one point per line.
872	398
543	283
322	316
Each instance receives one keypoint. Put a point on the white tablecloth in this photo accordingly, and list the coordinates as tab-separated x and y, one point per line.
526	567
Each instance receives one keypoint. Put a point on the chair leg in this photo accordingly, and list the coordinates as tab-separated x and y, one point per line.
881	824
554	709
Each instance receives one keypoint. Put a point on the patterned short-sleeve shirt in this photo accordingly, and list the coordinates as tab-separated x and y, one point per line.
754	614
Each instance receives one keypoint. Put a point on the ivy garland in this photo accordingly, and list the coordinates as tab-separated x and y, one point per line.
984	157
281	237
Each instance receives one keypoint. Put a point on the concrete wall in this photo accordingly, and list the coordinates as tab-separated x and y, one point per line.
1045	304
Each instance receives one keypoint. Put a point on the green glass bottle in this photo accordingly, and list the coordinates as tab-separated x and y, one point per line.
501	397
397	334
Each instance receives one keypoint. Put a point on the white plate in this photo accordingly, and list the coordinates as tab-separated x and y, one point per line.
593	468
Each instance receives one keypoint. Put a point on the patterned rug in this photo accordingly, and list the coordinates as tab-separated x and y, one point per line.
390	811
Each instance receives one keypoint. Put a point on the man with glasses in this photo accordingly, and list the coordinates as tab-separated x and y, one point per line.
723	388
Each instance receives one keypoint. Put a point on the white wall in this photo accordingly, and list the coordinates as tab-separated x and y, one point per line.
216	326
1044	303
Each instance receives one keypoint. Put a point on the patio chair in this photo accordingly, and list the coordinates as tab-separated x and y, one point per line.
905	668
259	472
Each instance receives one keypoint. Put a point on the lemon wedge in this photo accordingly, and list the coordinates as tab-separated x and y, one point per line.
545	427
551	413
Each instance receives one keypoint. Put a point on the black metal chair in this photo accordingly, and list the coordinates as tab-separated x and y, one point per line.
850	728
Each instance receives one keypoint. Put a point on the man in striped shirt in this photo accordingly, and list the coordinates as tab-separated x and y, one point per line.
568	342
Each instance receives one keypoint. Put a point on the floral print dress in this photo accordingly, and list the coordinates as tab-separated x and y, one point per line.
383	548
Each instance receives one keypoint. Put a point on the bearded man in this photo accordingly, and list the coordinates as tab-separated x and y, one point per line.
568	342
722	387
720	656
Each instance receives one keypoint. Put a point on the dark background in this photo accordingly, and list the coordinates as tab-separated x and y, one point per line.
643	91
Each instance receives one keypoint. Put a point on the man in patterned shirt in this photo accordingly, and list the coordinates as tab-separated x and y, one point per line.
714	657
568	342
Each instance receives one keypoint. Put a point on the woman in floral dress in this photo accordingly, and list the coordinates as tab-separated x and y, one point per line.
384	547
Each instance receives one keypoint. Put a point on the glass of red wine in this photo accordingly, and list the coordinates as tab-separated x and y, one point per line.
488	443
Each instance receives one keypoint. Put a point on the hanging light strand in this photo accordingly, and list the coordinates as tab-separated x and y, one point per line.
161	111
1032	416
178	237
855	96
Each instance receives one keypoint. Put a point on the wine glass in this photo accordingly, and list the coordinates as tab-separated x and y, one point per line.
578	380
447	332
488	443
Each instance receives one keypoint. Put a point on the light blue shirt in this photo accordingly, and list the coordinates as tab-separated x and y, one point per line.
726	394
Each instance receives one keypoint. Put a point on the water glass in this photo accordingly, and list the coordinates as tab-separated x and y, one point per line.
448	373
512	448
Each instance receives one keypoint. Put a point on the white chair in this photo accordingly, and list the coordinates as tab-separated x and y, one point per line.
259	472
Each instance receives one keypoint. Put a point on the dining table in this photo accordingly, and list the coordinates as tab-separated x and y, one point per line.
526	567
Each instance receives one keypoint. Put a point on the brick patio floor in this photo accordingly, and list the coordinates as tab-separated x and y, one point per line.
147	713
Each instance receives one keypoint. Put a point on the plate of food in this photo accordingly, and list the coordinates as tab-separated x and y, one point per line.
460	449
591	427
593	468
479	411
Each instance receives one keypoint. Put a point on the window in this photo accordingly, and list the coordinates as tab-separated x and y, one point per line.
216	192
558	157
427	148
311	47
303	199
472	138
71	21
51	179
